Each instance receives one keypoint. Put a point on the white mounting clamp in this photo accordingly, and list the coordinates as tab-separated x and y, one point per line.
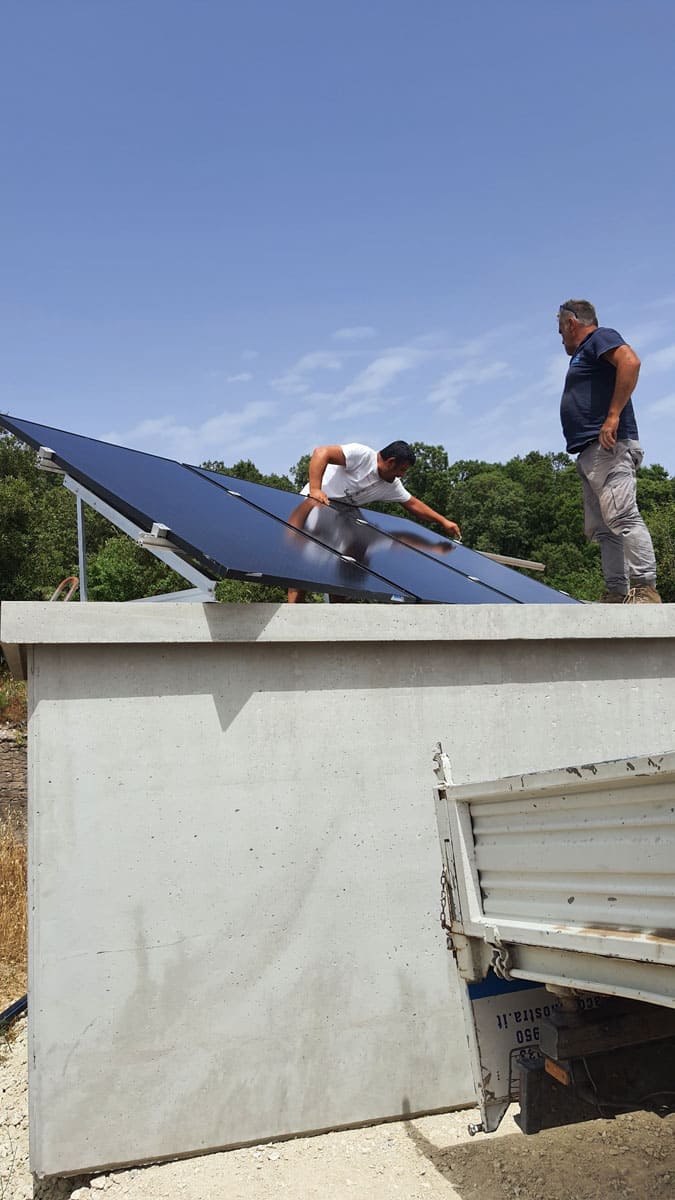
157	537
45	461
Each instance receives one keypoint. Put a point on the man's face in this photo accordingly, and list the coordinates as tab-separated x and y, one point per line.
389	469
568	332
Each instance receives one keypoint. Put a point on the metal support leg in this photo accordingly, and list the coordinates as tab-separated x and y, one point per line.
81	548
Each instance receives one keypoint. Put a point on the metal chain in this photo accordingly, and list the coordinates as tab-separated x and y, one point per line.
445	924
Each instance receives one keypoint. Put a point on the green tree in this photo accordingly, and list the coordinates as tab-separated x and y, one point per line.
491	509
245	469
429	477
38	530
122	570
571	568
655	488
300	473
240	591
661	522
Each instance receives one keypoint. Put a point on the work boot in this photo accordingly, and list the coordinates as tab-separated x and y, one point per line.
643	594
613	598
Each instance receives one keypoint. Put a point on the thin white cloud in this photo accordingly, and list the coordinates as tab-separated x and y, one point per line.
645	334
298	422
476	367
660	360
506	334
228	435
383	370
505	429
354	333
491	417
549	383
374	379
446	392
295	381
228	423
367	393
553	377
360	408
242	377
663	407
662	301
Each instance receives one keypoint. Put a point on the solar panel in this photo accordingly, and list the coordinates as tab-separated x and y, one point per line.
226	535
245	530
521	588
417	557
351	532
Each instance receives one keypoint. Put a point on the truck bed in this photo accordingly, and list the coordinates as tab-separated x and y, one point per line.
566	877
559	905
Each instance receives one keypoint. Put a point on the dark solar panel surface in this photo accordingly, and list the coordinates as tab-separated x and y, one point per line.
249	531
226	535
350	531
421	560
520	588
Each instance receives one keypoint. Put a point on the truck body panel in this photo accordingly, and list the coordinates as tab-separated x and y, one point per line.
561	885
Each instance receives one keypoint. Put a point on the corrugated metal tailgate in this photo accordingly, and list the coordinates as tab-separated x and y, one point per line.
570	874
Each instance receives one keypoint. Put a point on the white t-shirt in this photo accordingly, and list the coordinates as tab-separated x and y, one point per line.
359	482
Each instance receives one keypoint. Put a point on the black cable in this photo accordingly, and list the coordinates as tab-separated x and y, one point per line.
10	1014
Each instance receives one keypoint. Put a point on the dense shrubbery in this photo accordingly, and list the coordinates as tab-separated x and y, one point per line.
529	507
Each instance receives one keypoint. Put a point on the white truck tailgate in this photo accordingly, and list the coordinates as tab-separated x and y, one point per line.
563	878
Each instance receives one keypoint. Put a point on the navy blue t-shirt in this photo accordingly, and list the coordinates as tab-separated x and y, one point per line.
589	387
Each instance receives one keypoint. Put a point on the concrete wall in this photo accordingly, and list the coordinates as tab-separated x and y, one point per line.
233	854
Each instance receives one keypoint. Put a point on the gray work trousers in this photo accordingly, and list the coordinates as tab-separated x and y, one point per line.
611	514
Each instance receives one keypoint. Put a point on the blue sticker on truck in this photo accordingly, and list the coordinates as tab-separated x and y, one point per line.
492	985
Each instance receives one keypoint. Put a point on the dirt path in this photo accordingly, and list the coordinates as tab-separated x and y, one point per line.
632	1158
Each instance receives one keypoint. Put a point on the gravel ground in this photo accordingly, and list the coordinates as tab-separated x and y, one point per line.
632	1158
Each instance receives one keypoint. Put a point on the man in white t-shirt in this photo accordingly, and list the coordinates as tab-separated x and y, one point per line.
357	475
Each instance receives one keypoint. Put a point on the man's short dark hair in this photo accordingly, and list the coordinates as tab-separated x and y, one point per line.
401	451
583	310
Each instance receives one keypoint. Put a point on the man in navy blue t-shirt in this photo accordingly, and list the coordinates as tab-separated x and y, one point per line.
599	424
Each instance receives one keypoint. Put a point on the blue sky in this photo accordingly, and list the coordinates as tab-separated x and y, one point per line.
239	230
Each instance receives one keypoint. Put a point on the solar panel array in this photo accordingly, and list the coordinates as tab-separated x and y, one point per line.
236	529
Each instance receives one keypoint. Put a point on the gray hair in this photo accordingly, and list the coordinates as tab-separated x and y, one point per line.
583	310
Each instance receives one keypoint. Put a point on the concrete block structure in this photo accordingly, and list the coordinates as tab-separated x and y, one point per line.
233	856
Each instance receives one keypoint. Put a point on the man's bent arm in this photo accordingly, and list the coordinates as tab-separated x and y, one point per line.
419	509
321	457
627	366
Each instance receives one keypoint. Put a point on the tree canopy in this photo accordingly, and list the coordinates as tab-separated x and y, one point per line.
529	507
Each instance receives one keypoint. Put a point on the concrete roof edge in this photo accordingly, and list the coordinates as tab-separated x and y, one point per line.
43	623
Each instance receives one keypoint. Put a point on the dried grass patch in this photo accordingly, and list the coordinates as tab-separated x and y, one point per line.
12	699
13	918
13	898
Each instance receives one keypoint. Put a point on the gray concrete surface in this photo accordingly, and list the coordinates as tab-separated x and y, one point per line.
233	854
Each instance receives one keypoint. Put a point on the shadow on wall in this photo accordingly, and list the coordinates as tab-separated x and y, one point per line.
233	672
